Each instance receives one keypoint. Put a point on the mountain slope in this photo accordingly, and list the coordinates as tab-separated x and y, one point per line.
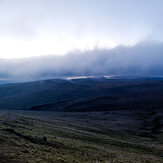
95	94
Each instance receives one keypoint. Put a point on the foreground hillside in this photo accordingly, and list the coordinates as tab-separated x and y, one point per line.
92	137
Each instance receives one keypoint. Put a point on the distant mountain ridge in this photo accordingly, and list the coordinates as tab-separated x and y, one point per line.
88	94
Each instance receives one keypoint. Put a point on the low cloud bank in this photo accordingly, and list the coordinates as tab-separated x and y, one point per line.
145	58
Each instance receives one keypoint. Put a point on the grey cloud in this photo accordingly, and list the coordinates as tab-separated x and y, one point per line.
145	58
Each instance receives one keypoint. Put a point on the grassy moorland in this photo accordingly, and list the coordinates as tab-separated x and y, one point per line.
82	120
45	137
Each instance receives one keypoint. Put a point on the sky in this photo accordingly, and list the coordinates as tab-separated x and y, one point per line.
50	27
65	32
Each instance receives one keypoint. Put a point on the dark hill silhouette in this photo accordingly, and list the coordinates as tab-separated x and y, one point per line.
90	94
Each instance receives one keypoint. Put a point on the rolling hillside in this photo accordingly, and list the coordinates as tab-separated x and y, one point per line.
91	94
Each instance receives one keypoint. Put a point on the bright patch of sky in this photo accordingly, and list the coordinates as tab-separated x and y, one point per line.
47	27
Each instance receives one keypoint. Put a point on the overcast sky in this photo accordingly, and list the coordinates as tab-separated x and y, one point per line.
46	38
50	27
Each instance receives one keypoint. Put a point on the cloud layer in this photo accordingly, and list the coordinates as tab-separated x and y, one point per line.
145	58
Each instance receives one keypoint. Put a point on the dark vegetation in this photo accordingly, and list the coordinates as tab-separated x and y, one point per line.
94	94
82	120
